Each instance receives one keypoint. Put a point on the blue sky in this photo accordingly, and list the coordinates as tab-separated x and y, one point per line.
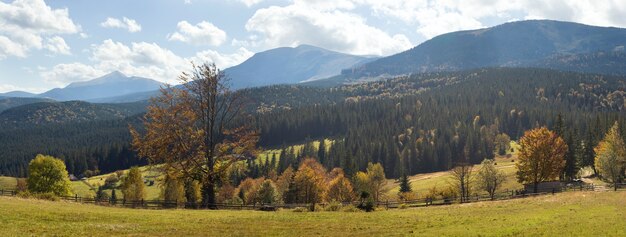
47	44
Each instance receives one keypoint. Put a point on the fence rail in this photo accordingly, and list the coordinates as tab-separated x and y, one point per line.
423	202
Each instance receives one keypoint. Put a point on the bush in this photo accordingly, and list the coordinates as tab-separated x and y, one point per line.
350	208
24	194
333	206
111	181
21	185
47	196
50	196
318	207
367	206
234	201
267	208
300	209
267	193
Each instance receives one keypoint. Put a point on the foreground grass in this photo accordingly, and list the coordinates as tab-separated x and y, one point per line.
566	214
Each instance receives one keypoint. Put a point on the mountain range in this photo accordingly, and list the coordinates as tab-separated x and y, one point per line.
110	85
547	44
534	43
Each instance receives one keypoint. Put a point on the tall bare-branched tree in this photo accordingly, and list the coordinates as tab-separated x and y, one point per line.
191	129
462	179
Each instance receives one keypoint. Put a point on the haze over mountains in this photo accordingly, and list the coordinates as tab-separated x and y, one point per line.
110	85
536	43
291	65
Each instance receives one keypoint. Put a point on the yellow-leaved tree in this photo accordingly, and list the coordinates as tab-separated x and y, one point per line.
541	157
310	181
47	174
340	188
132	186
610	160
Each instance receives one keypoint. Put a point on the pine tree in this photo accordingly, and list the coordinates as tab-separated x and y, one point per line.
571	164
405	184
559	128
273	162
321	153
588	152
113	197
282	161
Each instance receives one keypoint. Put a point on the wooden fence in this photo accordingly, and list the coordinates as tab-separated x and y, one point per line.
423	202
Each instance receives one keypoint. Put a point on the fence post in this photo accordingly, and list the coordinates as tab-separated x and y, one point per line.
1	192
75	197
142	202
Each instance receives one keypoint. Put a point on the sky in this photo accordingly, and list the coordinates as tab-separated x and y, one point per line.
49	44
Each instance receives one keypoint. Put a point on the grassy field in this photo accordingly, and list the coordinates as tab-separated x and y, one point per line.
565	214
422	183
84	188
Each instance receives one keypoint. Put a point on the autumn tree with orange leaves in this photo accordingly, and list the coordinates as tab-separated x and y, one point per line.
191	130
541	157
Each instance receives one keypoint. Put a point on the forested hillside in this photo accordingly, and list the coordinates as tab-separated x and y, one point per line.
43	113
10	102
421	123
416	124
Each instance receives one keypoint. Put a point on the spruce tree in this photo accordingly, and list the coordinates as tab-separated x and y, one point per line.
571	164
405	184
282	161
113	197
321	153
559	128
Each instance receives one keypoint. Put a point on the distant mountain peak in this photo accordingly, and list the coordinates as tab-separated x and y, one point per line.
113	84
290	65
115	74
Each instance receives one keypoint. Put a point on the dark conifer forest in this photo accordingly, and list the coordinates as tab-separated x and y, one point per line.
410	124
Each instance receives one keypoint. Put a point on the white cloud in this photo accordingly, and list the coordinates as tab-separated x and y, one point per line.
10	48
62	74
335	30
250	3
203	33
223	60
433	17
125	23
23	24
138	59
434	23
57	45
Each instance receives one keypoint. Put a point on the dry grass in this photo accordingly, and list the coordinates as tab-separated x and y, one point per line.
566	214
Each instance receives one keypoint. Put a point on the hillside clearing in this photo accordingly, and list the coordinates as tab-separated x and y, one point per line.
566	214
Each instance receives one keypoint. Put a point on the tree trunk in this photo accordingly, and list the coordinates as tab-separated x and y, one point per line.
536	187
208	195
